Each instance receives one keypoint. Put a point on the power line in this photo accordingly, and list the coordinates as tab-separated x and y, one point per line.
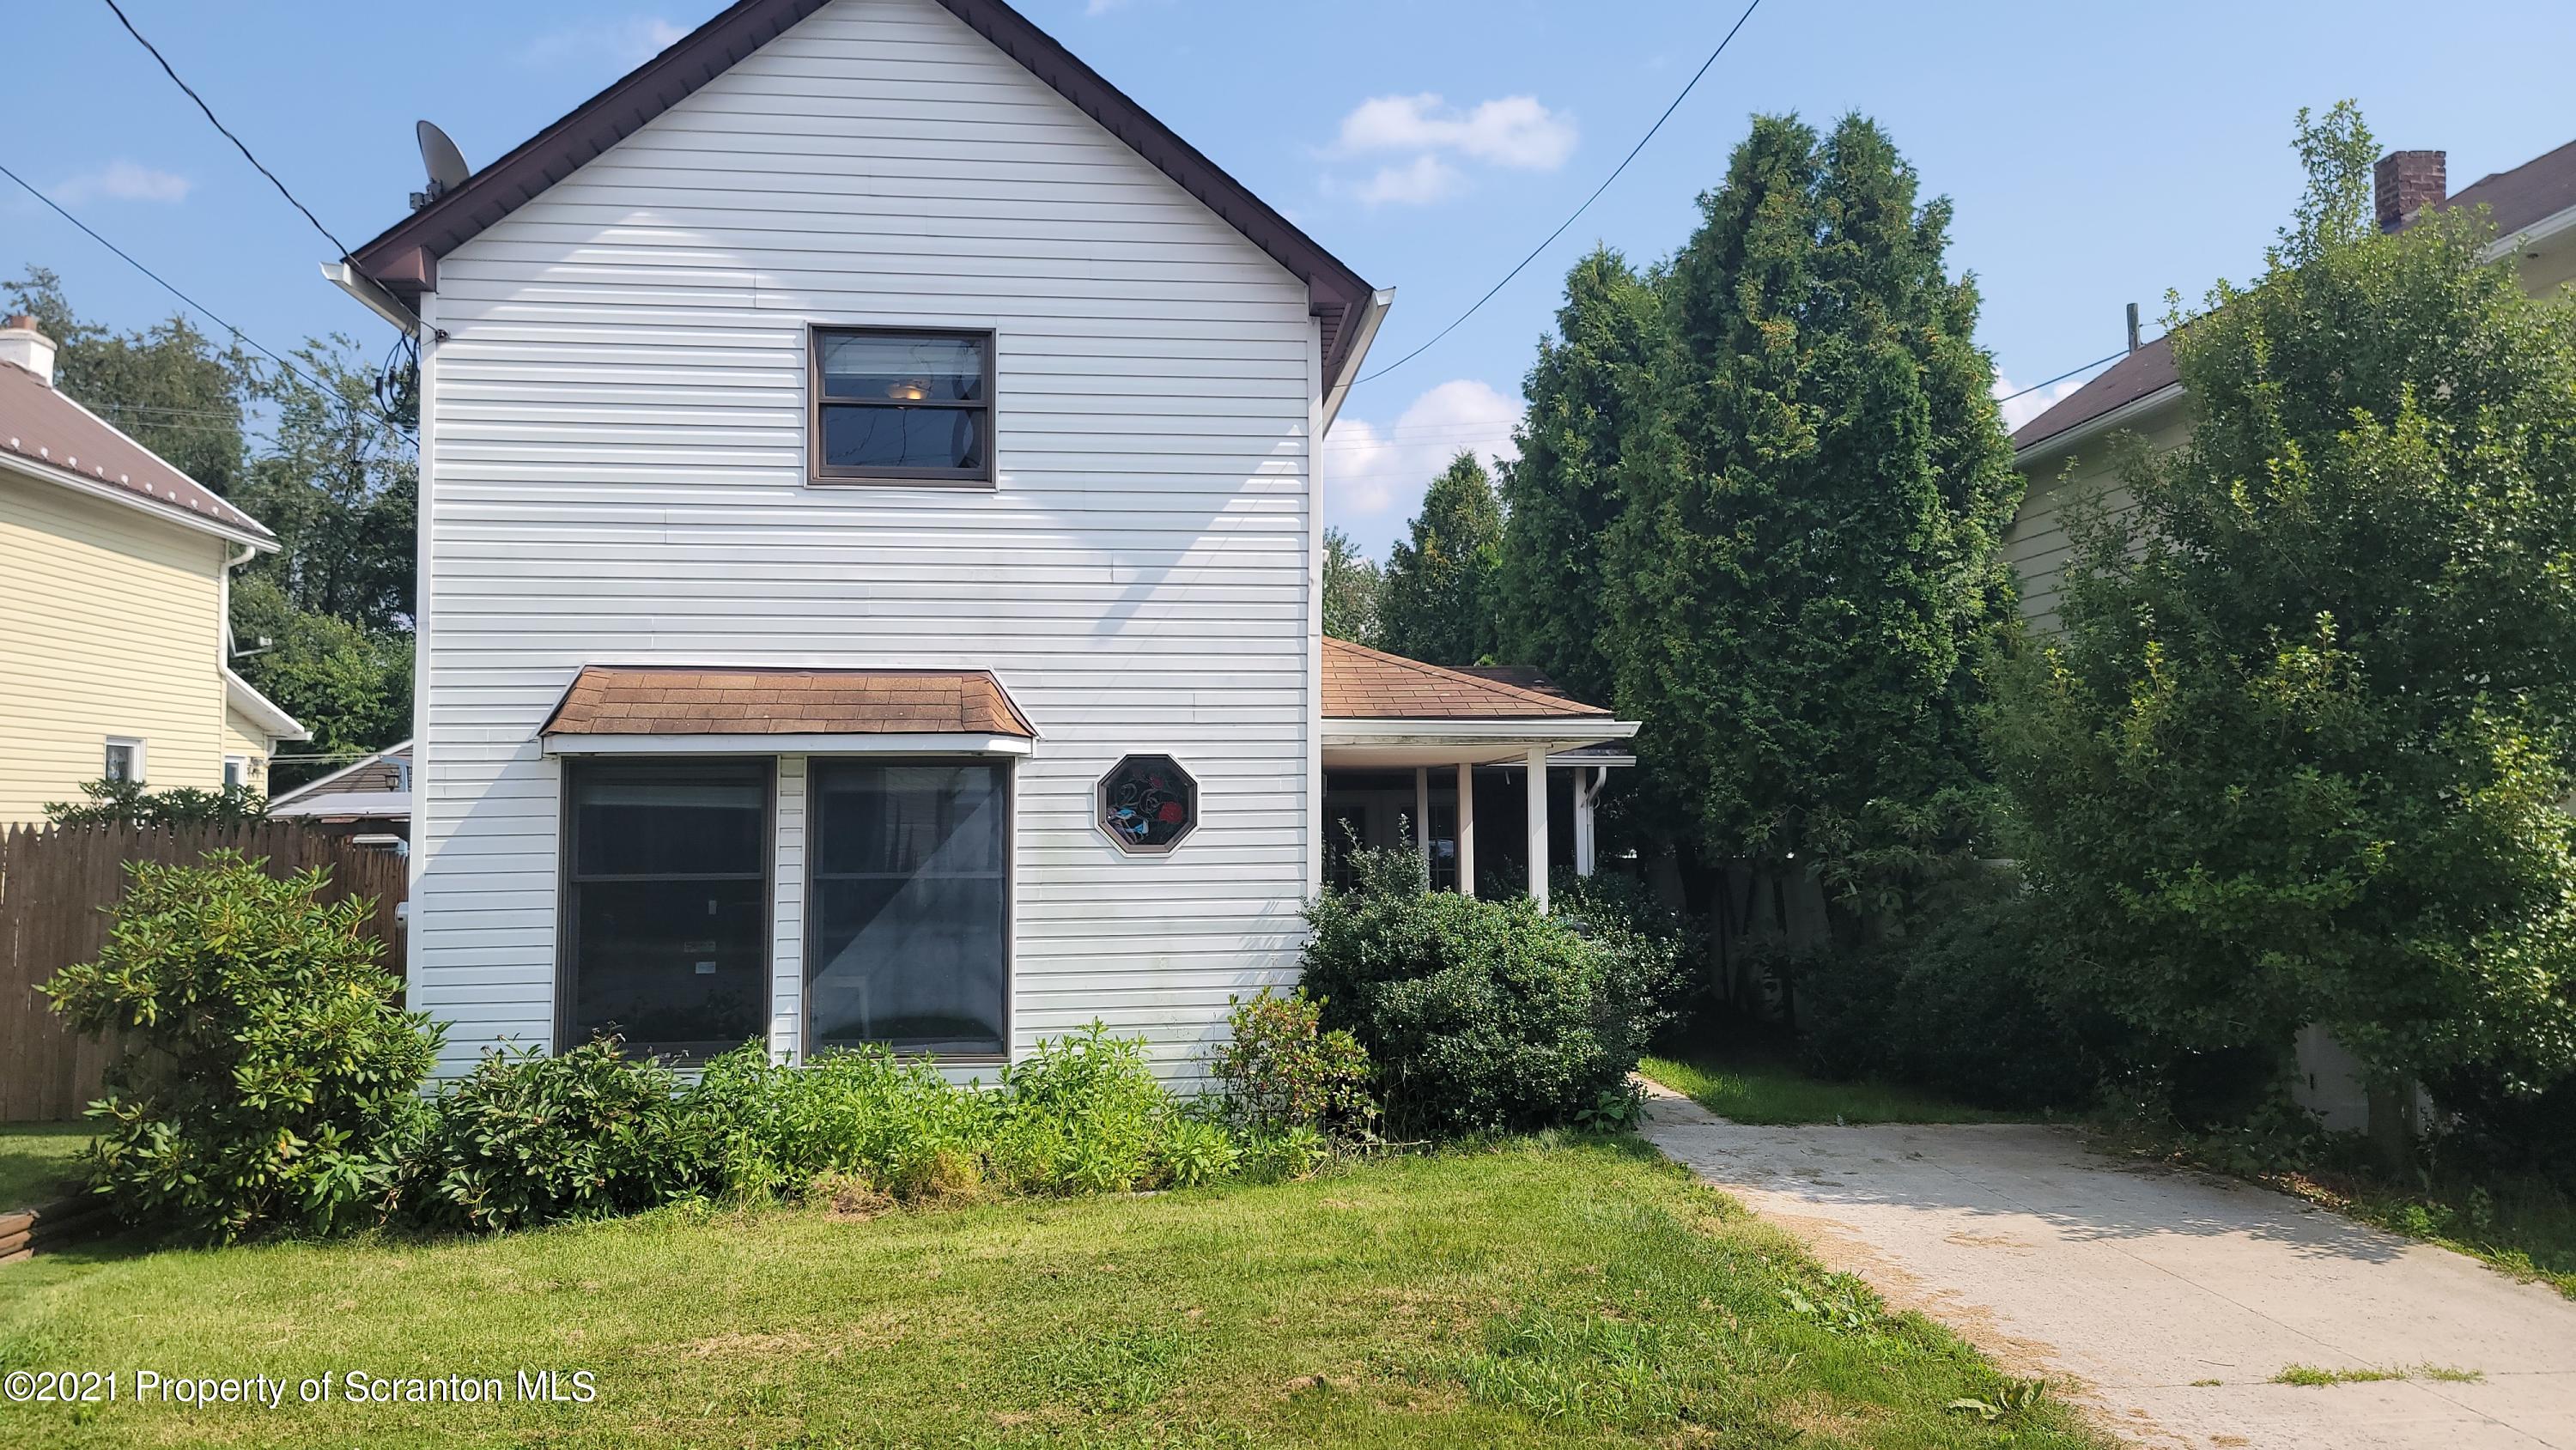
1580	210
227	132
209	313
2061	377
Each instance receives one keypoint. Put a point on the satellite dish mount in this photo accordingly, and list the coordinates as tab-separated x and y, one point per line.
444	163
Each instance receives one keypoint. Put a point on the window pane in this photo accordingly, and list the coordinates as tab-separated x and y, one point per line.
892	367
909	909
674	967
120	762
891	437
692	821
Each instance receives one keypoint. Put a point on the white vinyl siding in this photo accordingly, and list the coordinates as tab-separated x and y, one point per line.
617	475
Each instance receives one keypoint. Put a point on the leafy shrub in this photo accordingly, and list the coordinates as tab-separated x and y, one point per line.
528	1139
1481	1015
1280	1068
1967	1005
897	1125
270	1079
1084	1114
127	803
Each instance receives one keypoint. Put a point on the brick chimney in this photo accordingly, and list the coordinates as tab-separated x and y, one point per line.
2407	182
22	344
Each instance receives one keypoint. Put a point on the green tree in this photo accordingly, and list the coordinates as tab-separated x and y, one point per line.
339	488
166	386
1352	583
1593	388
1806	558
349	685
2301	750
1438	602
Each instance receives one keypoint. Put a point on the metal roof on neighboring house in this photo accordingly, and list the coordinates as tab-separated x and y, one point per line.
1366	684
46	433
2535	191
387	770
404	259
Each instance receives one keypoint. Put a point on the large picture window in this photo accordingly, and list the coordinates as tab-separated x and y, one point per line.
908	944
667	905
902	406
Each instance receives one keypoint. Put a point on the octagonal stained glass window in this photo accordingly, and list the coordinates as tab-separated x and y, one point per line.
1148	803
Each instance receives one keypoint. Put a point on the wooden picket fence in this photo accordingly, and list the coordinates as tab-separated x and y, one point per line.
57	884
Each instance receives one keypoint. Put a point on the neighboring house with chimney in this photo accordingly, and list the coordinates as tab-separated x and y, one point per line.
2067	452
115	590
870	567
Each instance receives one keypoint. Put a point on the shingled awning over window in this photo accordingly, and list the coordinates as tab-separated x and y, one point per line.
641	708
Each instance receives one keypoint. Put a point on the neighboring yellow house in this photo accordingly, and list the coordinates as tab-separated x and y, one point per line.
115	585
2068	451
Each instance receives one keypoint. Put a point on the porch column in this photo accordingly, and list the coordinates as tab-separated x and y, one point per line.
1587	785
1466	829
1537	794
1422	816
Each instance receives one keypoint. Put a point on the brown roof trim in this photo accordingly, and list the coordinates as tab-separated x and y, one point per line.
1367	684
749	701
404	258
2141	374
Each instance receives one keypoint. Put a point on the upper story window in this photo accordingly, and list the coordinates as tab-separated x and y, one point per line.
901	406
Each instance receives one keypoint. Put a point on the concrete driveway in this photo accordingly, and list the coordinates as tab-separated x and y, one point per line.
2171	1299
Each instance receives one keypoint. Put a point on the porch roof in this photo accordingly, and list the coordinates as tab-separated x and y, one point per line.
1383	710
628	707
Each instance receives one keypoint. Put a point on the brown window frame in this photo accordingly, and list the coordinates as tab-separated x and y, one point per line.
821	473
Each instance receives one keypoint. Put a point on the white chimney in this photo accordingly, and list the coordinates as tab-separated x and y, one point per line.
22	344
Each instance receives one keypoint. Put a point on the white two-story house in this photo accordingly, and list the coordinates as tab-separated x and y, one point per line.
869	565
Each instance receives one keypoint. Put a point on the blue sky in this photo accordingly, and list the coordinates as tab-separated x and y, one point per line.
2096	154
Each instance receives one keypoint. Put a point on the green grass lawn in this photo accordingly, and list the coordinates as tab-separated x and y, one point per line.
36	1162
1755	1085
1580	1293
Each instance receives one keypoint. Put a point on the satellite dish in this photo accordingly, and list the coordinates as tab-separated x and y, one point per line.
446	164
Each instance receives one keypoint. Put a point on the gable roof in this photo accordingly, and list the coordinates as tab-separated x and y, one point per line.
404	259
386	770
1366	684
45	433
2535	191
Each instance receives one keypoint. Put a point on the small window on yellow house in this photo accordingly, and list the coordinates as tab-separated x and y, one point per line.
124	759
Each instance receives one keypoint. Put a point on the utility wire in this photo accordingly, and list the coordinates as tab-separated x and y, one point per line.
238	144
2061	377
220	126
1578	211
128	257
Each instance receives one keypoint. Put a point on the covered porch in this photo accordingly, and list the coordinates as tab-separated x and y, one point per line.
1491	774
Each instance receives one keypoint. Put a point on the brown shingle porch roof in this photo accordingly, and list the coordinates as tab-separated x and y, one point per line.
688	700
1365	684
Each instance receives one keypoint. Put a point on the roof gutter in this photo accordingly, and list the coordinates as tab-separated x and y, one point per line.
1363	333
2063	440
371	295
263	711
156	508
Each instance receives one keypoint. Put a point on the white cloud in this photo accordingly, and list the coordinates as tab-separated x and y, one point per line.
1374	474
2031	404
124	181
628	42
1425	179
1515	131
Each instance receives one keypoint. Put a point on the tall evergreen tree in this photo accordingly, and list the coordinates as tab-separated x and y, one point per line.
1439	599
1594	386
1807	559
1352	583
